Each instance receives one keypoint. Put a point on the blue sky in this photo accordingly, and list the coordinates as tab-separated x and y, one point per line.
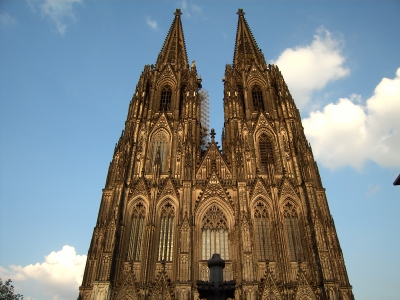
69	69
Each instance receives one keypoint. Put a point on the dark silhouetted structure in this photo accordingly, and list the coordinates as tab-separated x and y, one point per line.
216	288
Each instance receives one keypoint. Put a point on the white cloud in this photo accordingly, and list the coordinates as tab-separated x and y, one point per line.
152	23
59	11
7	20
310	68
187	10
349	133
58	277
373	189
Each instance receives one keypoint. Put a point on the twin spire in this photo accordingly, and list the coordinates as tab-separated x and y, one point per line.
246	49
173	51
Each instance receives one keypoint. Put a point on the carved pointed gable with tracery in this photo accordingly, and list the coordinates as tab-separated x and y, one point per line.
213	162
162	289
260	190
168	189
128	289
304	290
214	189
139	188
270	291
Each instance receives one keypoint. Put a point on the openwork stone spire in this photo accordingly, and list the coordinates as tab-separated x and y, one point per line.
173	51
246	48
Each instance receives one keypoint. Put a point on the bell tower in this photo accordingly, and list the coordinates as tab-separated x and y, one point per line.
294	248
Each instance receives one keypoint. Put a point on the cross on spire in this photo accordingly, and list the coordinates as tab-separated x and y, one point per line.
240	12
178	12
212	133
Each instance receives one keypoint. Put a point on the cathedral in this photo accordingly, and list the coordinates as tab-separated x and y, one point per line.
172	198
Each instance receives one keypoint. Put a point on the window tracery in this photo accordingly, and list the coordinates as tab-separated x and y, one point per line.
266	152
262	232
165	100
292	232
160	146
214	233
167	228
136	234
258	101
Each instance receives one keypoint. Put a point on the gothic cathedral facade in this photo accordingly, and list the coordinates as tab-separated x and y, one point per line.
169	203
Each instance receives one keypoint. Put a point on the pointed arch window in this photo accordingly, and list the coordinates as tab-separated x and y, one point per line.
136	233
214	234
165	101
258	101
292	231
266	153
160	146
167	228
262	226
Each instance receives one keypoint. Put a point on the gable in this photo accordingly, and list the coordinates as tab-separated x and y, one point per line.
168	190
213	162
214	189
259	190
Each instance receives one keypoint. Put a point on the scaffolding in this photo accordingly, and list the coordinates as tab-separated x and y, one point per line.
204	117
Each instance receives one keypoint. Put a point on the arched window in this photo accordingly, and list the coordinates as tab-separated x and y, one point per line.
258	102
160	146
262	226
266	153
165	101
167	228
214	234
292	232
136	234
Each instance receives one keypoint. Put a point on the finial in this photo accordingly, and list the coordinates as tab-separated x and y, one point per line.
241	12
177	13
212	133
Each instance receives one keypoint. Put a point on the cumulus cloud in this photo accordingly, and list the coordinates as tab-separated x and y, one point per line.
7	20
58	277
152	23
349	132
59	11
310	68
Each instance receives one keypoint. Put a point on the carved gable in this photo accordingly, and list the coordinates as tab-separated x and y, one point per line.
259	190
140	188
167	74
168	189
263	123
304	290
162	122
127	290
162	288
215	189
270	291
287	190
213	162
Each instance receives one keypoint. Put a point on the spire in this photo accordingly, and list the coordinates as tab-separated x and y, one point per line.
173	51
246	49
